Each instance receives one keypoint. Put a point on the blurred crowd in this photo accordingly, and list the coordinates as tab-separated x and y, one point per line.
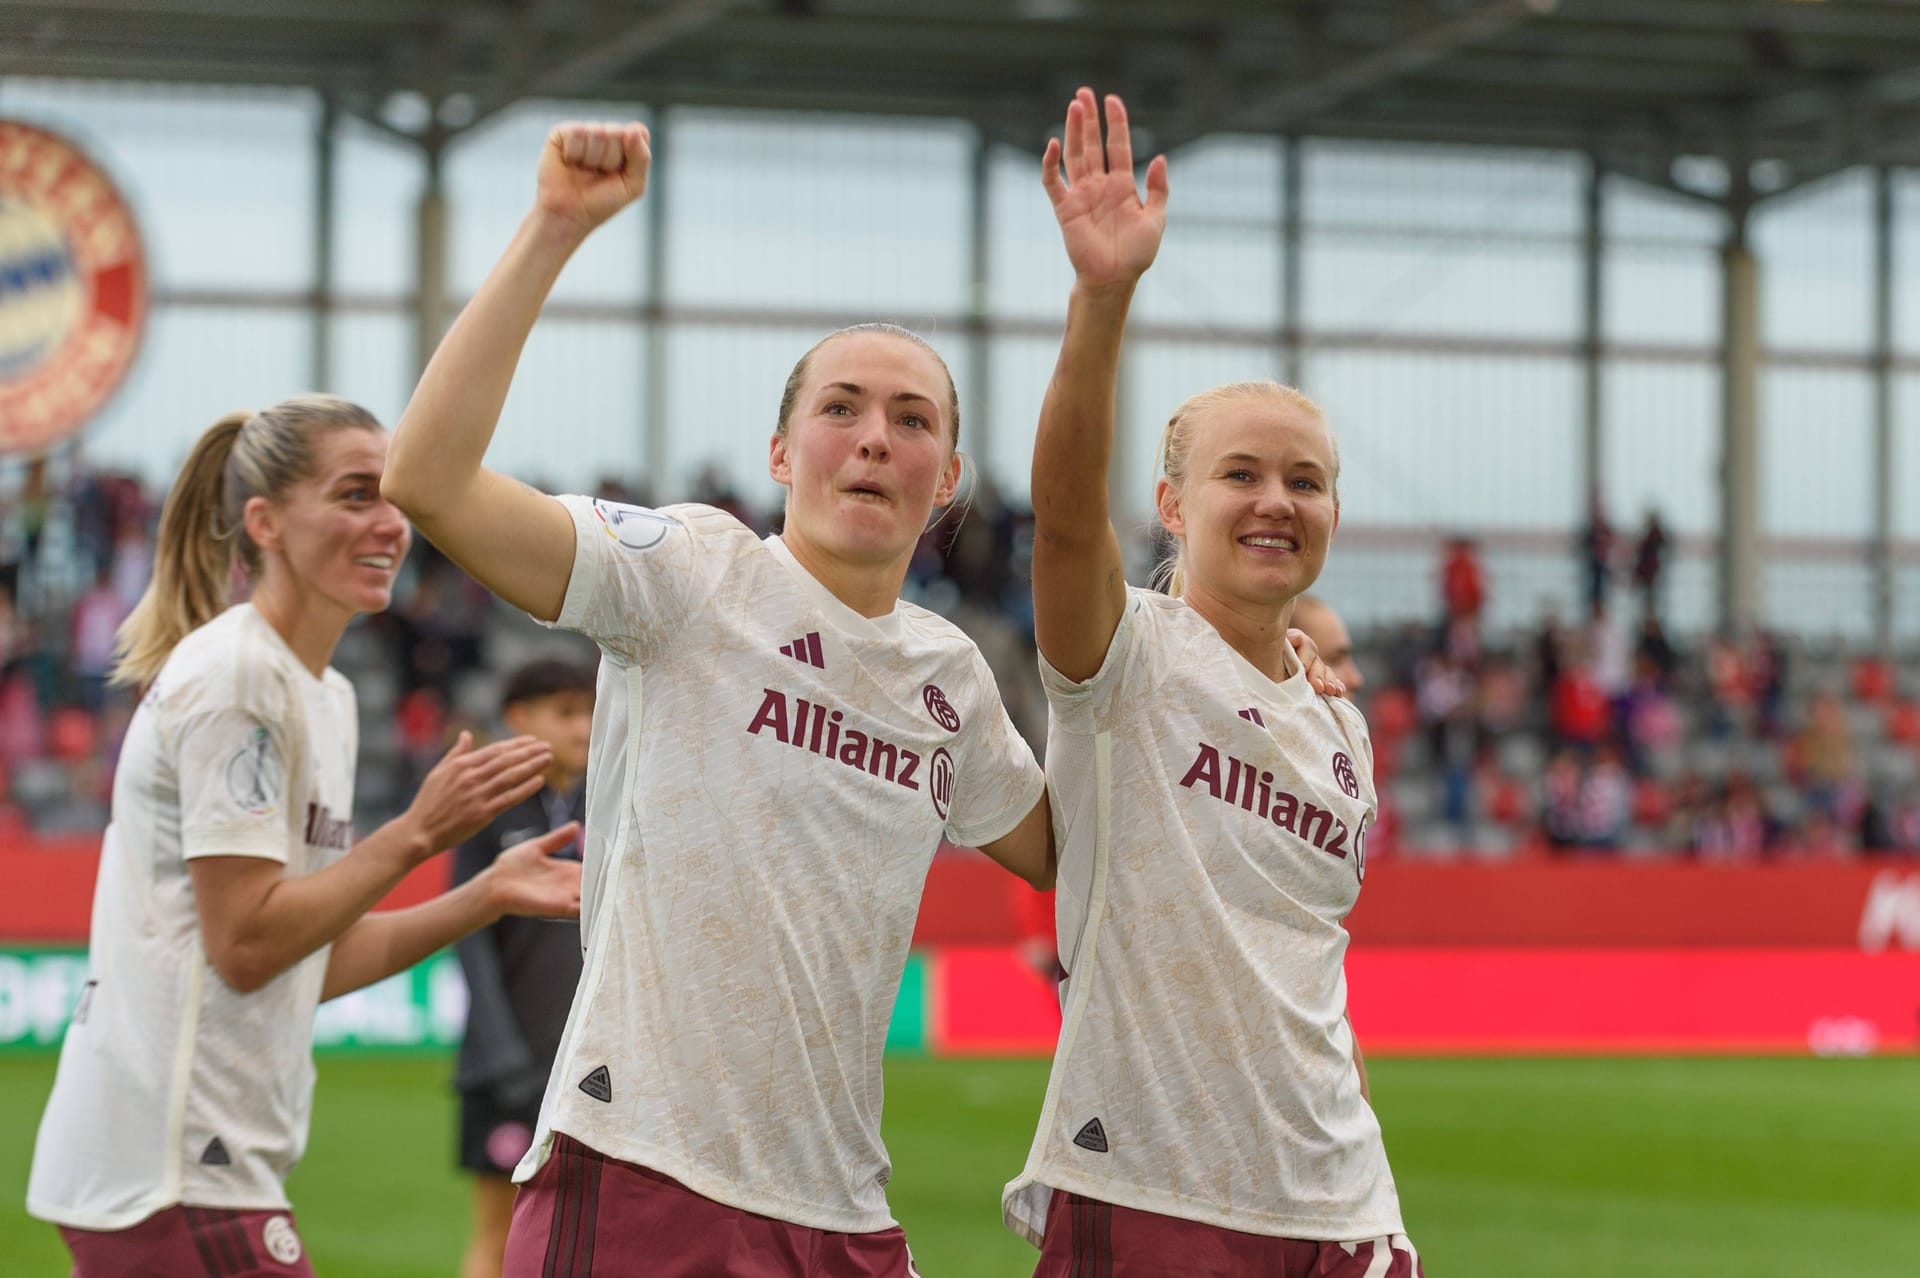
1601	737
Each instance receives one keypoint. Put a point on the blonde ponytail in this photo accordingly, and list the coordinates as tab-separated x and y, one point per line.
192	563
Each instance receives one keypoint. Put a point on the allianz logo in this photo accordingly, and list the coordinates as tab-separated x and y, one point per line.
1892	915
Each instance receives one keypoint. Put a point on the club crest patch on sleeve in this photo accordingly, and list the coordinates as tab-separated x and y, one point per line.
635	527
255	775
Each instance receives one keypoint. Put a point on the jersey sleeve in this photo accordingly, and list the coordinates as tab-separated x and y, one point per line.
233	768
1087	707
636	576
997	781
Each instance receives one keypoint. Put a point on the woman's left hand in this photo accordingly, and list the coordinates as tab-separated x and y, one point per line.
529	879
1319	675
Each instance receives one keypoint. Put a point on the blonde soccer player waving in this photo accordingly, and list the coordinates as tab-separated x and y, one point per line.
1205	1113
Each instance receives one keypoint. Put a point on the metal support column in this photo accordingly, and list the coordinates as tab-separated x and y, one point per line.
1592	419
325	149
430	292
1740	427
977	405
655	220
1292	355
1883	485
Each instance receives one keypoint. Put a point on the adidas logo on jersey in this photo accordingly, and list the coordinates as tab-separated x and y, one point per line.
805	649
599	1085
1246	787
1252	715
1092	1137
215	1155
800	723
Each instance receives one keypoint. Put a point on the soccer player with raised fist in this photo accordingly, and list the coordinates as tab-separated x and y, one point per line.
779	745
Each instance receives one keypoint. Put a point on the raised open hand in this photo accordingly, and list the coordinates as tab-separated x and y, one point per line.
589	172
1111	235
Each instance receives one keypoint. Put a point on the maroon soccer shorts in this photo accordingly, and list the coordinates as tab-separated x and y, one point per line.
584	1215
192	1242
1090	1239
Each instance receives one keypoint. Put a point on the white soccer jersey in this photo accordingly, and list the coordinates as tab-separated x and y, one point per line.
172	1087
771	774
1214	839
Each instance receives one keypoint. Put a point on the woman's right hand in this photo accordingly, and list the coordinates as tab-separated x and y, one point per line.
1111	235
589	172
468	788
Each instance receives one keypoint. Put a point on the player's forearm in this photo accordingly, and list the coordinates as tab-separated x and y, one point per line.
1075	438
257	926
381	944
443	434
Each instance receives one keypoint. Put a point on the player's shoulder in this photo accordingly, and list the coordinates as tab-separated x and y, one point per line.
923	627
234	661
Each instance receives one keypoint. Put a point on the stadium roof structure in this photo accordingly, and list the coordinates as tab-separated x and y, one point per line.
1770	94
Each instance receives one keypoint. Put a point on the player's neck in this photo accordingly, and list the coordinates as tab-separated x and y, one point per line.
870	589
310	625
560	780
1256	631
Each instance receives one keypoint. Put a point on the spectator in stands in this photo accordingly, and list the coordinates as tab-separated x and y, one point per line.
1606	798
1649	562
1824	756
1463	582
1738	826
1596	552
1560	810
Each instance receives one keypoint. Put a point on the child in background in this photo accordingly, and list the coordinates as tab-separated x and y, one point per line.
520	973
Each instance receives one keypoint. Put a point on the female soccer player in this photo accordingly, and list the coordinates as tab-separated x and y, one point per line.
232	898
779	744
1205	1113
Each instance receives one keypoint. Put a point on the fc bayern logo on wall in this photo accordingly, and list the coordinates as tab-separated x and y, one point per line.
73	289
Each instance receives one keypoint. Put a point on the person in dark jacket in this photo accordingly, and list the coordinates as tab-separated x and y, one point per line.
521	973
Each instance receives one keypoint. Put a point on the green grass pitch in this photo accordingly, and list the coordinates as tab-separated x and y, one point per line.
1507	1168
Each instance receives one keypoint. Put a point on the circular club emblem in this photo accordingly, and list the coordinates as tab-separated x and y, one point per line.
281	1242
634	527
940	708
1343	773
940	781
73	289
508	1143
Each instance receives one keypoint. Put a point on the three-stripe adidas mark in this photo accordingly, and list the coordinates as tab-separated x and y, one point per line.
215	1154
599	1085
1092	1137
806	649
1252	715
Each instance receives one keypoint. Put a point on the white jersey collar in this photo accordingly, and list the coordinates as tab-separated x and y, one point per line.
845	619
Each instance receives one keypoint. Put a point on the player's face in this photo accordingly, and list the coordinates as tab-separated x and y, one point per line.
341	540
1329	635
1257	511
868	451
564	720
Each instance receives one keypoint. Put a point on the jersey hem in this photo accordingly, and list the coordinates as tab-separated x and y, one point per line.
112	1222
806	1215
1161	1203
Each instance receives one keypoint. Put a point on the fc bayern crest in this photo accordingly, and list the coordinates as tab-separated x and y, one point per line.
73	289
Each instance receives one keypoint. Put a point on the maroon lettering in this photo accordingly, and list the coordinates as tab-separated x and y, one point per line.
1206	768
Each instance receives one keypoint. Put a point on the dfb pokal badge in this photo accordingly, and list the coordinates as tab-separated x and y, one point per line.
73	289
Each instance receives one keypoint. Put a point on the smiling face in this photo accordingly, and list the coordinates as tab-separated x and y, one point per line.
1254	506
331	536
867	450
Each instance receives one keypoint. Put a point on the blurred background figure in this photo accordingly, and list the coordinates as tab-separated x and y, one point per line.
521	973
